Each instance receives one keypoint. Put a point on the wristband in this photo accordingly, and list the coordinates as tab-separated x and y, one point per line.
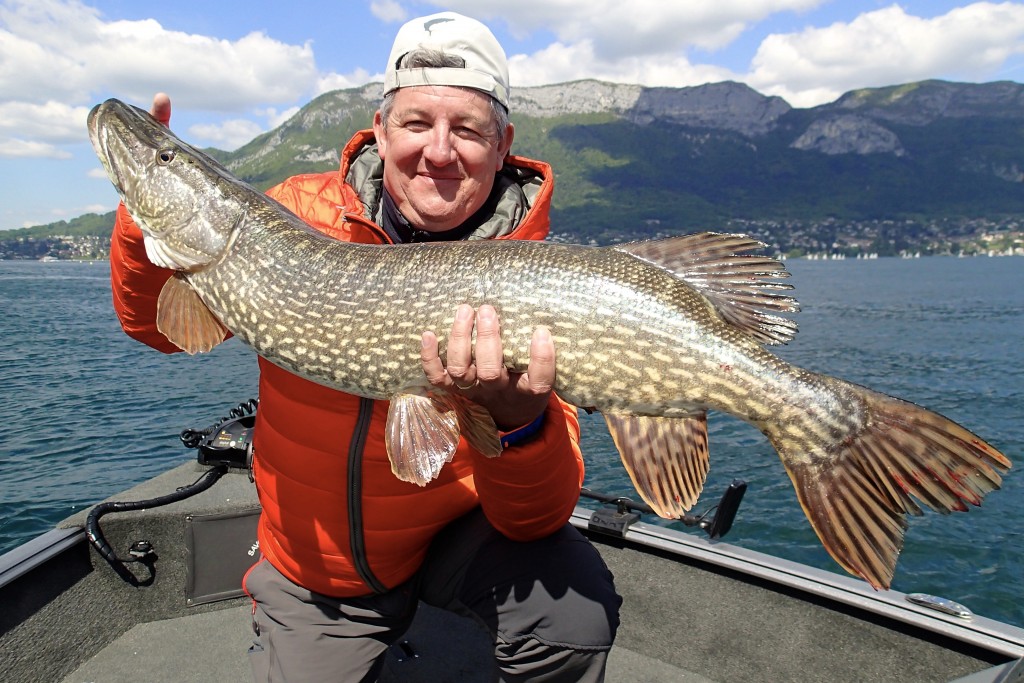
523	434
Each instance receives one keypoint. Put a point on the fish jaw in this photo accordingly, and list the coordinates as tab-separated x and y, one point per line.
166	186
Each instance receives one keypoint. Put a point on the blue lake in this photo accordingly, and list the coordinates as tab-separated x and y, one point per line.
88	412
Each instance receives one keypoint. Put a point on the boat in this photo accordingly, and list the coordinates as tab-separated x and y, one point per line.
146	587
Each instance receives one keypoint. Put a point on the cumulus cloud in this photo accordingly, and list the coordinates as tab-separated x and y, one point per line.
559	63
388	10
654	43
336	81
17	148
51	122
64	51
617	29
275	118
888	46
655	50
228	135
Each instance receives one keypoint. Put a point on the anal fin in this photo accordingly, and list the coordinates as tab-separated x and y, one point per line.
666	458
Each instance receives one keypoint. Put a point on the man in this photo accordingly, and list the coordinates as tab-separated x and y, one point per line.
347	549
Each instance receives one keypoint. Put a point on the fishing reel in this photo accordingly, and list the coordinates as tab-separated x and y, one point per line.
227	442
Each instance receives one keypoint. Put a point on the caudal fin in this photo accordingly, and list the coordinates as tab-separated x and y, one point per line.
858	490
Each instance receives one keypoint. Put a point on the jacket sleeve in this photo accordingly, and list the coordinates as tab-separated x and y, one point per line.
136	283
530	490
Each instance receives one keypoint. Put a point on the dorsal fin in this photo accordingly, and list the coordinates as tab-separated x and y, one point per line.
741	287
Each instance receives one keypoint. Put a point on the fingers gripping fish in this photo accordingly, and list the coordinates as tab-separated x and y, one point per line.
652	334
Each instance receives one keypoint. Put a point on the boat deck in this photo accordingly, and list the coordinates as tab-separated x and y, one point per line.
178	650
693	611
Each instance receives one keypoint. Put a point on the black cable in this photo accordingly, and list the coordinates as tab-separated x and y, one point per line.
192	437
142	551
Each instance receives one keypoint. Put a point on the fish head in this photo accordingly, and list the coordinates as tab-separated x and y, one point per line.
177	195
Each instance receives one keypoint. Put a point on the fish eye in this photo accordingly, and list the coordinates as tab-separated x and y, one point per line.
165	156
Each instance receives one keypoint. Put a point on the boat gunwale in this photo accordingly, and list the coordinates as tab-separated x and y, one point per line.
987	634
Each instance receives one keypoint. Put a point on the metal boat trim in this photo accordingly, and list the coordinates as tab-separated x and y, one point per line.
31	554
986	633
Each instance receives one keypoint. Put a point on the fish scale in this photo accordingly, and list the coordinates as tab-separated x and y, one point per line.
652	334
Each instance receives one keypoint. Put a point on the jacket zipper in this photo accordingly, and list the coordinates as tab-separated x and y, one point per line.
356	535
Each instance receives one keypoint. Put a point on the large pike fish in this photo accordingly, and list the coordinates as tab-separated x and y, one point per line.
651	334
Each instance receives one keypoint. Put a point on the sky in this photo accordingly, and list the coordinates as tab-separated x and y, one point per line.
236	69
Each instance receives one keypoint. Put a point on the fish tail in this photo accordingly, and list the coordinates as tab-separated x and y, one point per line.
858	484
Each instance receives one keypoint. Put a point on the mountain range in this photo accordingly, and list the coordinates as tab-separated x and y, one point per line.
921	160
632	161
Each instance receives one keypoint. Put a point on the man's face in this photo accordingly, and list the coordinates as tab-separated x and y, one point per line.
440	151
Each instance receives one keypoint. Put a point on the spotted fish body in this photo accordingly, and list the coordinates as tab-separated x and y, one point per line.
356	326
651	334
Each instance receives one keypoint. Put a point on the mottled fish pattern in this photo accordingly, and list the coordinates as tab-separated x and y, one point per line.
651	334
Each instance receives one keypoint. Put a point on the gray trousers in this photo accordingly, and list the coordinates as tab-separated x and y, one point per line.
550	606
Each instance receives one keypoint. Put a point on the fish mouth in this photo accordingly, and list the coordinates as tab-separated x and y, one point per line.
99	135
119	133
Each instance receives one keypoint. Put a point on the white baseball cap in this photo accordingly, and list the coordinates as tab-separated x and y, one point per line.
486	67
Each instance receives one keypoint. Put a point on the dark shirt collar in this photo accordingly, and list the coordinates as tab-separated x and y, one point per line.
401	231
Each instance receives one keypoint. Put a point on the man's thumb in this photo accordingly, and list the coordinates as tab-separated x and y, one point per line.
161	109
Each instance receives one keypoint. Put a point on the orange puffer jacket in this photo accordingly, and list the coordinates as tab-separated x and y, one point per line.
335	519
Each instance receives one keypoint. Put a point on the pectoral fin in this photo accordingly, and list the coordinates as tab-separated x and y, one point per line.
667	458
423	432
184	319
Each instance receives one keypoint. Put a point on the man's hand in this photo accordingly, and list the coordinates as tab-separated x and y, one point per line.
513	399
161	108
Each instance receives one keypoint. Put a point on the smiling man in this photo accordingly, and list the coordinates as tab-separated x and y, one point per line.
441	148
348	550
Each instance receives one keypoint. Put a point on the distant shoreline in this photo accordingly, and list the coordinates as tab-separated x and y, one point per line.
781	257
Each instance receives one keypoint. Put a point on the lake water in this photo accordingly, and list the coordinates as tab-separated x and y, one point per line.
88	412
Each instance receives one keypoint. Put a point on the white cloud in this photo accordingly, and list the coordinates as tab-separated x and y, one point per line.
63	51
559	63
336	81
644	41
231	134
57	57
227	135
888	46
15	148
276	118
55	49
51	122
388	10
619	29
653	42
